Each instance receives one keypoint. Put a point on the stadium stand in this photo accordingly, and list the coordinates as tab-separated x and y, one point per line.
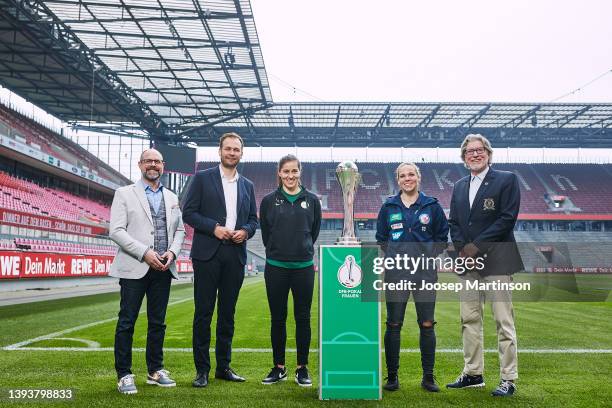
42	245
579	184
25	130
28	197
582	250
7	245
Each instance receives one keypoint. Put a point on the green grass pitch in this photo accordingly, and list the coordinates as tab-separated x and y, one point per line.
549	379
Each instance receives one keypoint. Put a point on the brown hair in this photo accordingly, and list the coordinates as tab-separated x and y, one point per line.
284	160
233	135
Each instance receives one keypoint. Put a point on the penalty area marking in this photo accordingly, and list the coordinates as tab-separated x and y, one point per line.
56	334
269	350
89	343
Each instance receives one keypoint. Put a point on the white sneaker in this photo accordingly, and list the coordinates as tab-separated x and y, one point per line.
126	385
161	378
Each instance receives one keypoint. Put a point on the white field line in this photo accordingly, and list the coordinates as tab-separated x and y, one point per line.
76	328
269	350
91	344
85	326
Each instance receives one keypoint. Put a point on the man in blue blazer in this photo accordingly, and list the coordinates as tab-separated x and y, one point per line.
220	206
483	211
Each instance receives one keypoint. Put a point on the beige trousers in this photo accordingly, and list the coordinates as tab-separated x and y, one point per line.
472	310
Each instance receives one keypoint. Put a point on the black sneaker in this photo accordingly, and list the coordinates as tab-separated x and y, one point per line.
302	378
392	382
276	374
429	383
467	381
504	389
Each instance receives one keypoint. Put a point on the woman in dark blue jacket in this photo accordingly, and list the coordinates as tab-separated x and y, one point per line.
411	223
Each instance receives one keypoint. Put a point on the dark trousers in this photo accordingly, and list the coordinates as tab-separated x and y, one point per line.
279	281
217	280
424	302
156	286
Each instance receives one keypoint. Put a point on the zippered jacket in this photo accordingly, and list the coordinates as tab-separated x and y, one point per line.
289	230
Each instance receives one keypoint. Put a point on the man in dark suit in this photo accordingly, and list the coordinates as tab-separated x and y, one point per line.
483	211
220	206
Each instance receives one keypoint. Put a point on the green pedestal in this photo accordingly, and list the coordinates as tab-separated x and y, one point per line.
349	329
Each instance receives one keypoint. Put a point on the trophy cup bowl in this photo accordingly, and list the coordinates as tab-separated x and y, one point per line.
348	177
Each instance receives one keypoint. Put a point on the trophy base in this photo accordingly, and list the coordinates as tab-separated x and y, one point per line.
348	241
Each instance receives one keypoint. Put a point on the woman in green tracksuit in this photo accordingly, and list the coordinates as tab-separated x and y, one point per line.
290	219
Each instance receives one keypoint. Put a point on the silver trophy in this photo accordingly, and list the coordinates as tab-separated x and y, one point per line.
348	176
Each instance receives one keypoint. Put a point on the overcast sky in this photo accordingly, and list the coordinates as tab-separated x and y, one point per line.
443	50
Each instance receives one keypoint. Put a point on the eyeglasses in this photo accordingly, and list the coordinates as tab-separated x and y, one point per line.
152	161
479	150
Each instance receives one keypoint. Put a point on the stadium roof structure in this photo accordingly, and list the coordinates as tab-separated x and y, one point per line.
180	71
163	66
423	124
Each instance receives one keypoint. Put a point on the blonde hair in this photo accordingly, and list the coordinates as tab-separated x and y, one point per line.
416	170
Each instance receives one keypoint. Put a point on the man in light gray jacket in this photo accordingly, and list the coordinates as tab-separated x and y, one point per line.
146	223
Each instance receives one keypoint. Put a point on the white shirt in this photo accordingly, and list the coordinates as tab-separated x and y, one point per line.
475	182
230	192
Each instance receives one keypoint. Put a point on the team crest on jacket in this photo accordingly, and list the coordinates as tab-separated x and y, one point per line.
489	204
424	219
349	273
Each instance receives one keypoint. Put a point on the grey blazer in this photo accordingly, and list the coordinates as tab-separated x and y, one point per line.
131	227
